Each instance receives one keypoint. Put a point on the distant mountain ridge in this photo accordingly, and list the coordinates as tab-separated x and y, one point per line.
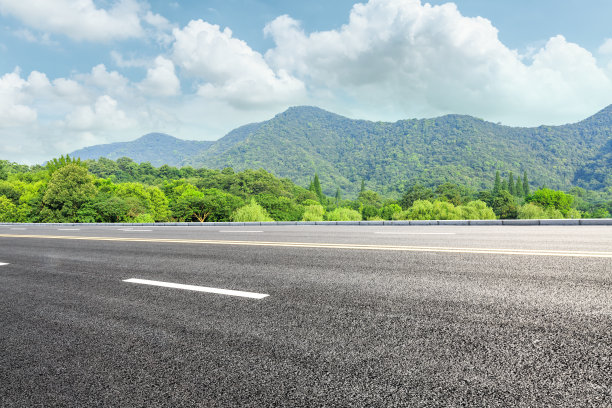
156	148
388	156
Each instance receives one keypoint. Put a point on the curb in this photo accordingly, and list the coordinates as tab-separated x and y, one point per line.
546	222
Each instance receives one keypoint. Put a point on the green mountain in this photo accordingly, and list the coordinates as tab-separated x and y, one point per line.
156	148
388	156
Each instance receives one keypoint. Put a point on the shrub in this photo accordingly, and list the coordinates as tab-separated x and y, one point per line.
251	212
531	211
369	211
344	214
8	210
476	210
144	219
388	211
313	213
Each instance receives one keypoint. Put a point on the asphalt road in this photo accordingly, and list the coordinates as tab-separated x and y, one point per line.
355	316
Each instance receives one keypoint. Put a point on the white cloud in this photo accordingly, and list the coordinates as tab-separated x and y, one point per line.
122	62
229	69
80	20
399	57
161	79
606	47
13	110
104	114
25	34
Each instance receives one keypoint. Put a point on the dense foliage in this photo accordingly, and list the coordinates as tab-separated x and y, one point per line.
71	190
391	157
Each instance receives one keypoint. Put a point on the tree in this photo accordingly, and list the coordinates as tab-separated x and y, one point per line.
453	193
547	198
504	205
511	185
8	210
497	186
317	188
338	197
526	191
251	212
280	208
388	211
369	197
54	164
70	187
518	190
414	193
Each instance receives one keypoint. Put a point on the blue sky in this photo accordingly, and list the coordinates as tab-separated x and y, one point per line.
76	73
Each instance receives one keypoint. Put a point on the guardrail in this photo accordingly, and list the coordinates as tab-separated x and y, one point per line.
586	221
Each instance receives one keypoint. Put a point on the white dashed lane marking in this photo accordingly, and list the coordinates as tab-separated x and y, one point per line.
227	292
2	264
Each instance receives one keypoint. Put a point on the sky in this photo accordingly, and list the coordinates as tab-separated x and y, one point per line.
76	73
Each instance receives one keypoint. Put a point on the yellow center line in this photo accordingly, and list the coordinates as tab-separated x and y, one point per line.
502	251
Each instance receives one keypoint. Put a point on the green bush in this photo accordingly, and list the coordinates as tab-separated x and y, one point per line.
343	214
313	213
251	212
8	210
476	210
388	211
547	198
144	219
531	211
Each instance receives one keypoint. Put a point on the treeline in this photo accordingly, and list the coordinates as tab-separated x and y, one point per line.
71	190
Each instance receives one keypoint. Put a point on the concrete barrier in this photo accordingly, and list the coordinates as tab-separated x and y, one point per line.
453	222
520	222
567	222
485	222
596	221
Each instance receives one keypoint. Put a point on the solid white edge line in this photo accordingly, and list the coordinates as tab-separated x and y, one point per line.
2	264
589	254
227	292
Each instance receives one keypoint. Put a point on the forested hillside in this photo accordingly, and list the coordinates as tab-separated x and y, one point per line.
390	157
155	148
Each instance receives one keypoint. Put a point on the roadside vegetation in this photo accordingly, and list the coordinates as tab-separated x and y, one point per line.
71	190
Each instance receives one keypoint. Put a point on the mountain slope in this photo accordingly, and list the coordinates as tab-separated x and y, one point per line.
156	148
304	140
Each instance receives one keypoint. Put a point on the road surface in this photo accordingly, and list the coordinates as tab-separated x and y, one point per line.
332	316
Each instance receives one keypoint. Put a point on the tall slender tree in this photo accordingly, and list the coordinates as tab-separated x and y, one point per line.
362	185
338	196
317	187
525	184
511	185
497	186
518	190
